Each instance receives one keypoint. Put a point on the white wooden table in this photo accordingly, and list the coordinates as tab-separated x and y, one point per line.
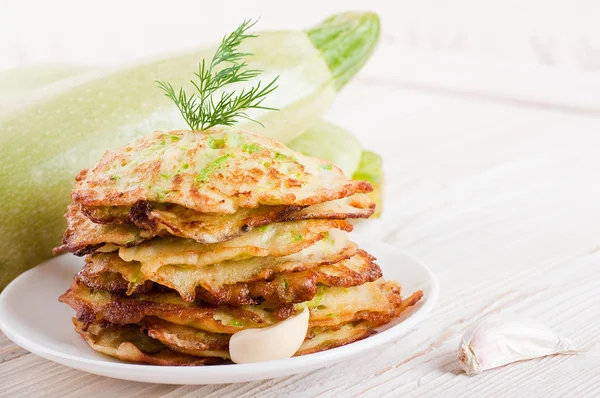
493	180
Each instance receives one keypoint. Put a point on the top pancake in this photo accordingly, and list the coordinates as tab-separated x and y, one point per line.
212	171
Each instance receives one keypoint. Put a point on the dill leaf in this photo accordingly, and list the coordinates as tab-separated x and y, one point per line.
204	109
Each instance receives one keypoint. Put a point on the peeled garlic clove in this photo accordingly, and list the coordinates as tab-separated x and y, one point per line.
279	341
498	341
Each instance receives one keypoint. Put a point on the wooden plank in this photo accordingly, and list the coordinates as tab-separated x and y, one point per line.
30	375
9	350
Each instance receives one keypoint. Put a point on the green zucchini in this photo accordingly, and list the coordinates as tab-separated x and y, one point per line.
46	140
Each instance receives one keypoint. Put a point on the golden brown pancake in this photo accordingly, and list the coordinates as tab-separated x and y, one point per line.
158	342
187	340
274	240
128	343
237	283
375	302
165	218
83	236
213	277
212	171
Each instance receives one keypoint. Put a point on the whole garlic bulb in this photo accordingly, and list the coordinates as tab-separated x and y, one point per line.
497	341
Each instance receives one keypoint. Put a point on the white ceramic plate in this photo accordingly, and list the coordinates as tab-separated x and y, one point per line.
32	317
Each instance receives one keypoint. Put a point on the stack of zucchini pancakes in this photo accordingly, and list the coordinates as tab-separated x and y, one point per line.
192	236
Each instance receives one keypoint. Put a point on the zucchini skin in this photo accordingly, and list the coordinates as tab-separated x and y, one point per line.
346	41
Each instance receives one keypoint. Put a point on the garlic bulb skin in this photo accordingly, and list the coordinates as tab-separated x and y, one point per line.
279	341
500	340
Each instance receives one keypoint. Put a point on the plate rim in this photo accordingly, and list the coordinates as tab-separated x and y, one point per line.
247	372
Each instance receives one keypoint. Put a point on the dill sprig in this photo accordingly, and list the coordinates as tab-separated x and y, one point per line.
204	109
